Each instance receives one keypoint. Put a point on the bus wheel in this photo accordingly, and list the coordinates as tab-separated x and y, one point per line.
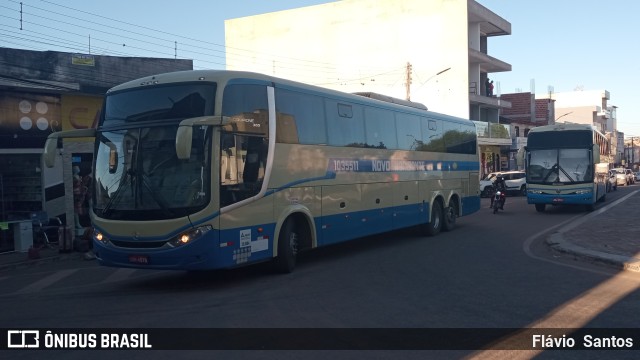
449	217
287	247
434	226
540	207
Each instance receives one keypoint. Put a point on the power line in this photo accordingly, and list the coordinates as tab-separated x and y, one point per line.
322	71
289	61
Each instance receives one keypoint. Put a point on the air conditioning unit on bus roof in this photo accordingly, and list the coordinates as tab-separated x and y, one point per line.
392	100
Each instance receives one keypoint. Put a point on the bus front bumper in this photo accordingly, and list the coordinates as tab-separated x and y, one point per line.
560	199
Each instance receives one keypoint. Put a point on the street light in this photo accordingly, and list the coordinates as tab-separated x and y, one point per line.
425	82
434	75
570	112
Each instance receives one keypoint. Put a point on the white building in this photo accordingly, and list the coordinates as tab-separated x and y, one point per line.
433	52
591	107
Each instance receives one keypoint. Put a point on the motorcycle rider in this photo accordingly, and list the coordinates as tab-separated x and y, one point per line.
499	185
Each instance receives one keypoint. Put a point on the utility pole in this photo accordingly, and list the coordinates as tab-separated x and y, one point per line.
408	83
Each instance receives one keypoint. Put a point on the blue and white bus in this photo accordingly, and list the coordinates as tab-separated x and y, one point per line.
563	166
217	169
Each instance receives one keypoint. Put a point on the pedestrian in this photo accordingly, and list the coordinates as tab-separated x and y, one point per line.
487	87
491	88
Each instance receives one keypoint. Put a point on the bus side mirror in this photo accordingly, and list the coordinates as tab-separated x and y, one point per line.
184	138
51	144
50	147
184	135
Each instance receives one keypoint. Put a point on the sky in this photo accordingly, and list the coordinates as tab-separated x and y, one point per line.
567	45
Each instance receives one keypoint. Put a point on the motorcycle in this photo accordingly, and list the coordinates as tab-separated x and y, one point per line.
498	201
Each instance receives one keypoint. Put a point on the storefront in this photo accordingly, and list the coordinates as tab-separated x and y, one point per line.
28	187
494	143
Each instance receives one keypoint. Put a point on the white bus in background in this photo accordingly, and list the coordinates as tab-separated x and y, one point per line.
217	169
563	166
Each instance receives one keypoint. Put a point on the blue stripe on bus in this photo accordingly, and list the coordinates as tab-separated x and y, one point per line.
374	221
390	165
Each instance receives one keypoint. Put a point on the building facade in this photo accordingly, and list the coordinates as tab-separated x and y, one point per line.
433	52
43	92
592	107
526	112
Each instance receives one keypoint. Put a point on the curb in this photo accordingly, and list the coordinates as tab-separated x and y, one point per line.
558	242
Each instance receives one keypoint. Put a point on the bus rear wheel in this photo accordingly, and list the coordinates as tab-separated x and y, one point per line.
449	217
288	242
434	226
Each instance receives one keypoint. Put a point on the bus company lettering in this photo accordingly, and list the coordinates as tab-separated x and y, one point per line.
399	165
351	165
248	121
381	165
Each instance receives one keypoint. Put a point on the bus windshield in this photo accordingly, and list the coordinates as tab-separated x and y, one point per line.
559	166
138	175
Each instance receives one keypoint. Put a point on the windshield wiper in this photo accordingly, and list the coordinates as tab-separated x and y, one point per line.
551	171
566	174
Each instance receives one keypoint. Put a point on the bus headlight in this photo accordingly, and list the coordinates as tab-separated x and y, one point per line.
585	191
189	235
100	236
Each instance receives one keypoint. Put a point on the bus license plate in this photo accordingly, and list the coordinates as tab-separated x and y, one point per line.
139	259
558	200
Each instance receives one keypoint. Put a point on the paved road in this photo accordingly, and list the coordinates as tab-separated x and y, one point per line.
492	271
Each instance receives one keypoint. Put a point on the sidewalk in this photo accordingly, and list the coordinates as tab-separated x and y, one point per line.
610	234
15	259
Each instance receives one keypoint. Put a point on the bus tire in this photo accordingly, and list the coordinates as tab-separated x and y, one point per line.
540	207
288	242
449	216
433	227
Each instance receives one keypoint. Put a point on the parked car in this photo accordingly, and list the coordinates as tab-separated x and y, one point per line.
612	181
621	177
631	177
515	181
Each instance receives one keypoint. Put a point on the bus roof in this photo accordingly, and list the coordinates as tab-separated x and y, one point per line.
563	127
225	76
